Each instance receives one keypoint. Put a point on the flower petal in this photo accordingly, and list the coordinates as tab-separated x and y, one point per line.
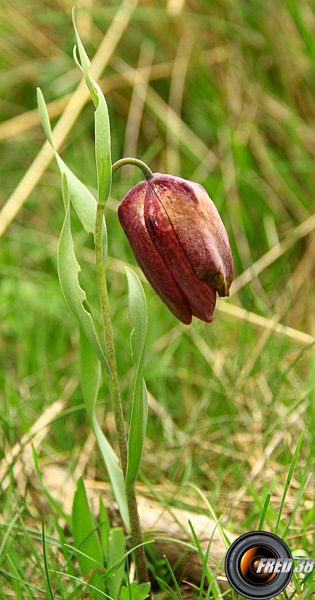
199	228
199	296
130	213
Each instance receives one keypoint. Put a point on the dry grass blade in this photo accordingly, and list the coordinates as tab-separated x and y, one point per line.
175	7
30	118
256	353
231	192
177	88
32	34
282	112
279	309
245	315
271	174
141	80
215	359
169	118
267	259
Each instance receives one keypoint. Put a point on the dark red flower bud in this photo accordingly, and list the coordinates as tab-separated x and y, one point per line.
180	243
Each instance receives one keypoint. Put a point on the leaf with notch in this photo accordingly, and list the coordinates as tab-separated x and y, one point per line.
68	272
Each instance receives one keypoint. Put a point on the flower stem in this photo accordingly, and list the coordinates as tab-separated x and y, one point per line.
135	529
136	534
133	161
109	340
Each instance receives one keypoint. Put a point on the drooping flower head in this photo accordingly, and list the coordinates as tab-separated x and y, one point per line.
180	243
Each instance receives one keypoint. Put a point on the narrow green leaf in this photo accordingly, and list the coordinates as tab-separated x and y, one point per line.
139	413
288	480
296	506
264	511
206	568
167	590
84	531
68	272
214	581
81	198
173	577
102	148
43	113
85	62
116	551
102	125
137	313
89	378
222	532
214	575
45	561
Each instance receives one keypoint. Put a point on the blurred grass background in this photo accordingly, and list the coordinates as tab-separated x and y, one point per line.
221	92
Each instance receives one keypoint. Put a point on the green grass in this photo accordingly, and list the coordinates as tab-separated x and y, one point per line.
238	395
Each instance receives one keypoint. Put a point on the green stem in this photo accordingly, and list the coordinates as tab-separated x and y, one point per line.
136	534
133	161
135	529
109	341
